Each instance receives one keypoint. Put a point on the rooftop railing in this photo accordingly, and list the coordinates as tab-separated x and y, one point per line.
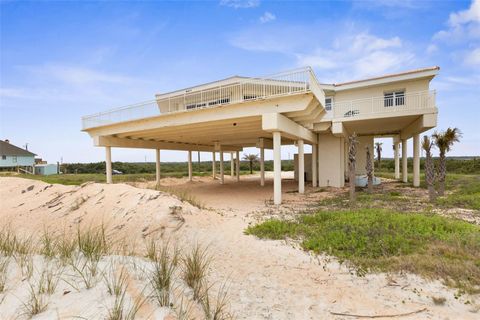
386	104
238	91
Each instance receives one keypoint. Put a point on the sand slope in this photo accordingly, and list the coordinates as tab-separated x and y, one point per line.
267	279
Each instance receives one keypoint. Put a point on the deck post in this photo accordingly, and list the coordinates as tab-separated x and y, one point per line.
157	166
314	164
108	163
416	160
232	166
404	161
301	167
190	173
396	145
222	178
213	165
277	167
237	161
262	166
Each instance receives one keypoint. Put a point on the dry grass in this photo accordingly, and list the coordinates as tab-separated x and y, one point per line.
195	269
165	264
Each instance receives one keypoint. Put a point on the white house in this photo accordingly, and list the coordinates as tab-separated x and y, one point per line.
283	109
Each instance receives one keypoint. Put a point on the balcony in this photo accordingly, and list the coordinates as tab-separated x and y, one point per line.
412	102
237	90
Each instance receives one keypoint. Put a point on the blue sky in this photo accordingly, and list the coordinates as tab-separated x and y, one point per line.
62	60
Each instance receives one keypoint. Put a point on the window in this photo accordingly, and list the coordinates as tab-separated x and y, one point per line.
395	98
4	157
14	159
328	104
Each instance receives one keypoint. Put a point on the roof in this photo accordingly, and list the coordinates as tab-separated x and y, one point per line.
7	149
390	75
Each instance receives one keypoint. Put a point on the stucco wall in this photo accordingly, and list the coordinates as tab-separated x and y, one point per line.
308	166
331	161
378	91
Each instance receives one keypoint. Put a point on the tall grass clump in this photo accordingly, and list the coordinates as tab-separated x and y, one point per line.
92	242
116	282
195	269
49	279
48	245
216	308
4	263
35	304
8	242
162	277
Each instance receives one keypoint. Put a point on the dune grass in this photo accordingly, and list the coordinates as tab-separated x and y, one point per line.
381	240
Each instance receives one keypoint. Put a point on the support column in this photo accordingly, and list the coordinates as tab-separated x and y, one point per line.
222	178
404	161
314	164
157	166
190	173
237	161
262	166
108	163
277	168
301	167
232	166
214	165
416	160
396	145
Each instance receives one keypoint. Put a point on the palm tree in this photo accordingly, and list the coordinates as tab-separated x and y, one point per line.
378	147
429	167
369	169
444	141
251	158
352	162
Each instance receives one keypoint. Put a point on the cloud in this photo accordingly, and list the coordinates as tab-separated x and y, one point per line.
472	14
240	4
349	53
472	58
462	25
76	75
267	17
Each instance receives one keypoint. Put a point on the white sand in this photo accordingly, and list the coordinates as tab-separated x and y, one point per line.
267	279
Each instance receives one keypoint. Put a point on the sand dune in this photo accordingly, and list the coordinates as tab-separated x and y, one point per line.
266	279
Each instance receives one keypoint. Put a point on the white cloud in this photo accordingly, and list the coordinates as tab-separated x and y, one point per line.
472	58
346	54
472	14
267	17
240	4
463	25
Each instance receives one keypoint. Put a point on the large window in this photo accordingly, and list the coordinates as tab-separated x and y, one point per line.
395	98
4	157
328	103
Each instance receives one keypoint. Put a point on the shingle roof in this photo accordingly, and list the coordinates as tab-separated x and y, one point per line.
7	149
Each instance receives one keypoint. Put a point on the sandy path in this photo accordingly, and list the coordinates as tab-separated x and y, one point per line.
267	279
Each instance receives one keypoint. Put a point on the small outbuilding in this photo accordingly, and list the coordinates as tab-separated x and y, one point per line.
46	169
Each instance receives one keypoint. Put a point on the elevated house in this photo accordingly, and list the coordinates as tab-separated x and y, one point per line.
290	108
15	158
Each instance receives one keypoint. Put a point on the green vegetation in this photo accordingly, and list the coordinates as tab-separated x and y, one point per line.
382	240
454	165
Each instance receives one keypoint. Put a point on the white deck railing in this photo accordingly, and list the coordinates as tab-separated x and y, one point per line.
240	90
378	105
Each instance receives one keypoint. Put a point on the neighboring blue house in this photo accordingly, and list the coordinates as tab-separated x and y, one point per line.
14	157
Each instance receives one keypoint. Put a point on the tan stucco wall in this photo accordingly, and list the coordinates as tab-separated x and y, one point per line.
331	161
308	166
377	91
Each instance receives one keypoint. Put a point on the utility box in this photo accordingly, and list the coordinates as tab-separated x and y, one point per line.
308	166
46	169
